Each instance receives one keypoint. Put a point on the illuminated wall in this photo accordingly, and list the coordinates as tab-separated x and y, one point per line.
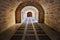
51	9
27	9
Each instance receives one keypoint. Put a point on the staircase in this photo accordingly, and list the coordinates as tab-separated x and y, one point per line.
31	31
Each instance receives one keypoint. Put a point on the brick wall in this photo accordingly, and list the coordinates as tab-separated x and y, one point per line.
52	13
51	8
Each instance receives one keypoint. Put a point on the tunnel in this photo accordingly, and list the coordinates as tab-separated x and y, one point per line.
26	10
35	4
29	14
43	15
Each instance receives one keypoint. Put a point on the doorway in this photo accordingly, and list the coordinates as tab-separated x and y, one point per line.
21	15
29	14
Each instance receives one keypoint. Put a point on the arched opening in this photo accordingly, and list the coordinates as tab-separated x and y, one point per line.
29	3
29	14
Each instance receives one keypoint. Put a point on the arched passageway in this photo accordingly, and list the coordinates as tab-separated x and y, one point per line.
29	14
7	16
32	14
29	3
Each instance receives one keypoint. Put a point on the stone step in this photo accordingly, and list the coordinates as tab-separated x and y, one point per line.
30	33
30	38
18	34
16	37
41	34
29	28
44	38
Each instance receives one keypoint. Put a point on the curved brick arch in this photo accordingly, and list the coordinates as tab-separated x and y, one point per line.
29	14
29	3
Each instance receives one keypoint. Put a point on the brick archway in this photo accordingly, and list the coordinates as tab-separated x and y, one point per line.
29	14
29	3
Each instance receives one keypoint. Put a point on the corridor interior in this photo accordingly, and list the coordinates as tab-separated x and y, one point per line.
30	30
29	19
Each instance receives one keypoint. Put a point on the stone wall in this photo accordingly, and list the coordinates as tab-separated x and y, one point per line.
52	13
51	8
7	13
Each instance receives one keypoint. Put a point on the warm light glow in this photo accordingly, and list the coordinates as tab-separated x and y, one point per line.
31	9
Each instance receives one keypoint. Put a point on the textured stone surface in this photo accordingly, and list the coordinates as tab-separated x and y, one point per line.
51	8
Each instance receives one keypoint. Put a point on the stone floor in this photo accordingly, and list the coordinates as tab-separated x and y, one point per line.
30	31
29	19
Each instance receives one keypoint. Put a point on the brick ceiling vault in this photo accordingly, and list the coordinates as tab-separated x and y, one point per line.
29	3
8	8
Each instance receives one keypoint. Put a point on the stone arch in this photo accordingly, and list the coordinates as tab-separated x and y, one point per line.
29	14
29	3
